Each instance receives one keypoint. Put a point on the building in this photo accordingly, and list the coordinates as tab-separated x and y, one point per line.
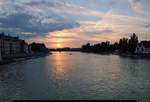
143	48
24	47
12	45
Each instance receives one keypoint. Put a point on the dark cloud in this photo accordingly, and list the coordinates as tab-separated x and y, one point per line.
147	26
24	18
30	18
105	31
28	23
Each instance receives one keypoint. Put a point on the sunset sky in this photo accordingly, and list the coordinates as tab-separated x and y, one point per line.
71	23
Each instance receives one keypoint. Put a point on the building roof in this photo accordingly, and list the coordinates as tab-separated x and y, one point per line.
8	37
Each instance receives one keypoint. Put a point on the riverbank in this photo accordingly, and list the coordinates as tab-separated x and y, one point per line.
136	56
61	76
22	57
128	55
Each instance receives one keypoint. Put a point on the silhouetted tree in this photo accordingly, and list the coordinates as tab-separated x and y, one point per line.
98	48
133	43
123	45
105	46
116	46
86	48
38	47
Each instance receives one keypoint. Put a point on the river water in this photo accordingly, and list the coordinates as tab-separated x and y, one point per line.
77	76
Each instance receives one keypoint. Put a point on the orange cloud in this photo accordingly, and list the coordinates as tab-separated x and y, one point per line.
74	38
96	31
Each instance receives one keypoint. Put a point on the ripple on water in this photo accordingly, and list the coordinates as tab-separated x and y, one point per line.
80	76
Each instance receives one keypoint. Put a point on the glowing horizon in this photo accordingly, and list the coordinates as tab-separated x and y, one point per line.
71	23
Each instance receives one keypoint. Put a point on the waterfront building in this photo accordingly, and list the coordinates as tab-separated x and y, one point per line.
24	47
12	45
143	48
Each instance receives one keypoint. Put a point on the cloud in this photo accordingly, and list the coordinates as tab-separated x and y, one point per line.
74	22
29	23
141	7
147	26
32	17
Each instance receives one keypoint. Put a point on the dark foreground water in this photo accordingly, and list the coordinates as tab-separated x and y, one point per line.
77	76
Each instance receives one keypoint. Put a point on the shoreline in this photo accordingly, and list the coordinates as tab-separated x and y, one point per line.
136	56
23	57
129	55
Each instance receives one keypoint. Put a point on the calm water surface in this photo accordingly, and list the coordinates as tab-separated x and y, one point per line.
76	76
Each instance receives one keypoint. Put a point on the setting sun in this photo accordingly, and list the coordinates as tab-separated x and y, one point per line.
74	50
58	42
59	45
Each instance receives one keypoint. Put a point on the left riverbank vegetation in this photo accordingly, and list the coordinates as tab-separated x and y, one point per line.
14	48
124	46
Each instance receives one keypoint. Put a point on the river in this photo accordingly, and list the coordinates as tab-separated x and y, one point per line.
76	76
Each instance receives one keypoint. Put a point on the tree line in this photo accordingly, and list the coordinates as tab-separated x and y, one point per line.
124	45
38	47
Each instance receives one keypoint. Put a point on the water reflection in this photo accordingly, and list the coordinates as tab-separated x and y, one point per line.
131	66
58	66
77	76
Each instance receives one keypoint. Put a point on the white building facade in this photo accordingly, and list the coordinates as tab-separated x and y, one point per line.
142	49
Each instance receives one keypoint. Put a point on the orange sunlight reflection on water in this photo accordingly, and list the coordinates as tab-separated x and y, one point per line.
58	69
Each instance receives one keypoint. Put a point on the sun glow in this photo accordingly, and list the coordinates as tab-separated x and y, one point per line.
58	45
59	42
58	69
